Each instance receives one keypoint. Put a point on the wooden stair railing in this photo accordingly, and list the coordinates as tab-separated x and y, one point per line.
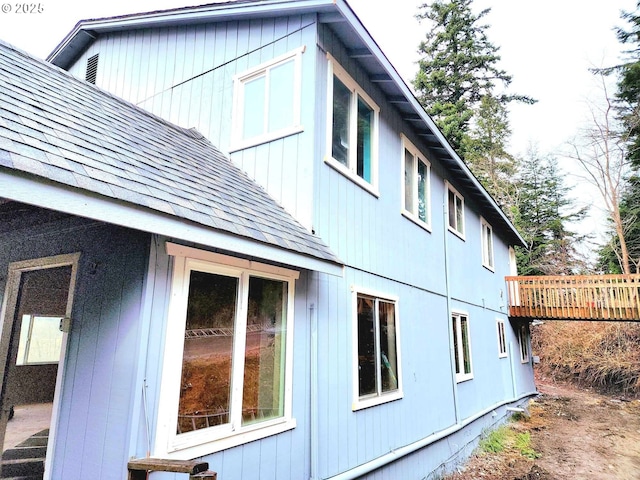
139	467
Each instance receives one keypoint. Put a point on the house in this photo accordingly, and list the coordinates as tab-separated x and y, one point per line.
328	304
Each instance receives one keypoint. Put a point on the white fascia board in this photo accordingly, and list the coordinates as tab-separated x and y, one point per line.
58	197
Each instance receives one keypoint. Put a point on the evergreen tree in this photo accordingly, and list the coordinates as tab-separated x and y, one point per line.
458	68
544	212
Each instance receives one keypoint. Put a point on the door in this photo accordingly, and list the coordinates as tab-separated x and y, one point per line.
36	320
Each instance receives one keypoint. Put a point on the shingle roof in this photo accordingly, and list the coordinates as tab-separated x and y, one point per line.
63	129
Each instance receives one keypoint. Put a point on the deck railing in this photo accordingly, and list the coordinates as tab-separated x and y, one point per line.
575	297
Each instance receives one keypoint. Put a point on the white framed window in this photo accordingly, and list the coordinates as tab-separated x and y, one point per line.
502	339
455	211
267	101
227	368
416	188
462	346
523	340
486	242
40	340
352	129
376	347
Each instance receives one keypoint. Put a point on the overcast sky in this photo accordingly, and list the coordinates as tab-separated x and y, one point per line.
546	45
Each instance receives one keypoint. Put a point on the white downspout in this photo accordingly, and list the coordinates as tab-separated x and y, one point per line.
314	392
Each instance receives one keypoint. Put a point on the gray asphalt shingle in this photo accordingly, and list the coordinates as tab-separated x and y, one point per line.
58	127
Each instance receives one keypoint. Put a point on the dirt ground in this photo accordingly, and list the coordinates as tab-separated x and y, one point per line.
578	435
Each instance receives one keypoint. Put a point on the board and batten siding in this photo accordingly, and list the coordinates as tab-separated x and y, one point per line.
103	346
185	75
277	457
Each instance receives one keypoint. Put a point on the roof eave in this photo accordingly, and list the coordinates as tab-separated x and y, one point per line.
21	187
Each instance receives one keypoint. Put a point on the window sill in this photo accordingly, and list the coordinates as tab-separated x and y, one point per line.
200	445
503	355
524	361
457	233
410	216
340	168
363	403
262	139
464	378
489	267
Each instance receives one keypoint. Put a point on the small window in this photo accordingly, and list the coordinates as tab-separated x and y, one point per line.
377	350
502	340
461	346
523	340
455	208
416	186
40	340
228	354
267	101
352	129
487	244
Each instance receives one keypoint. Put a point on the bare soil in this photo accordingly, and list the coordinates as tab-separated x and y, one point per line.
577	433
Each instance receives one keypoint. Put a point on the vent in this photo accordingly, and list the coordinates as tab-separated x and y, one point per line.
92	69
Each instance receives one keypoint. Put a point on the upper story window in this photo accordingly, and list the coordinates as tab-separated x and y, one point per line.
486	242
228	355
352	129
377	352
416	186
267	101
502	339
455	209
461	346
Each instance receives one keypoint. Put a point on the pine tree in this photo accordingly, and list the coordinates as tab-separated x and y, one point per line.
458	68
544	212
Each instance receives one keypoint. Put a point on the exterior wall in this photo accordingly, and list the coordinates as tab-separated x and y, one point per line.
282	456
185	75
97	392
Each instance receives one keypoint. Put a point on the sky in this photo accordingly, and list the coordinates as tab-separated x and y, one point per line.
547	46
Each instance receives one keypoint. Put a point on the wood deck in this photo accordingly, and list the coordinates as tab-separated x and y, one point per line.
575	297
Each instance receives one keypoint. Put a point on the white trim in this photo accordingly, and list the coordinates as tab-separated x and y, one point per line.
189	445
349	171
379	398
488	254
462	376
42	193
9	305
457	231
502	338
237	122
407	145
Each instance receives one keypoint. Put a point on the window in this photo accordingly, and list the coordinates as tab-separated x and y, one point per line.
523	339
227	370
461	346
416	186
455	208
377	347
487	244
267	101
502	340
40	340
352	129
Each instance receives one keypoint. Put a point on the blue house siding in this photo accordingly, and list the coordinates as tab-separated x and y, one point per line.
185	75
103	345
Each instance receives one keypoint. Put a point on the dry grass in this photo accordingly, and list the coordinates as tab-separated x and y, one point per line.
604	355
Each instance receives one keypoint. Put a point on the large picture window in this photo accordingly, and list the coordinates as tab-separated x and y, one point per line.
416	186
231	361
267	101
461	346
352	129
378	356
